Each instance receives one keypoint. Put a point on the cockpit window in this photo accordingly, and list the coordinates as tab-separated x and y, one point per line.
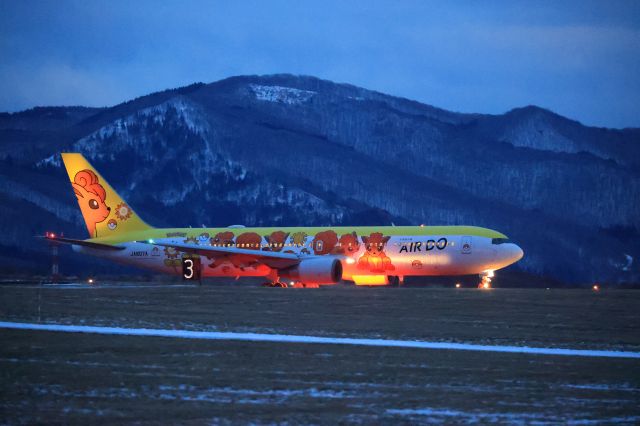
499	240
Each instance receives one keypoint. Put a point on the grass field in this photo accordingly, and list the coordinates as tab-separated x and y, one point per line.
60	377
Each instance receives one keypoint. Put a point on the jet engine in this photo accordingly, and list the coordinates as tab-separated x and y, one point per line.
319	270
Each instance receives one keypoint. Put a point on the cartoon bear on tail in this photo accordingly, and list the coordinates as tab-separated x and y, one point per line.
91	197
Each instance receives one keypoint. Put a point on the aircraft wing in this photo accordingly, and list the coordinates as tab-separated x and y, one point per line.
270	258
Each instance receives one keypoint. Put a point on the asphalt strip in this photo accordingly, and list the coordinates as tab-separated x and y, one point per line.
288	338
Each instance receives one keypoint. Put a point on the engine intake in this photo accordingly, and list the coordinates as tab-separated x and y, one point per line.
320	270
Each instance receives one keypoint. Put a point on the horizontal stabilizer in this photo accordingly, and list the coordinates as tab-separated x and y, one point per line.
98	246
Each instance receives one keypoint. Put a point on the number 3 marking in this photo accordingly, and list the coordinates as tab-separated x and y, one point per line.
188	275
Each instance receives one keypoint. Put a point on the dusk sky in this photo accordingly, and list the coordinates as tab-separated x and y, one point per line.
580	59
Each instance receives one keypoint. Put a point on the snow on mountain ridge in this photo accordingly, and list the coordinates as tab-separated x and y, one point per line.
281	94
119	130
52	160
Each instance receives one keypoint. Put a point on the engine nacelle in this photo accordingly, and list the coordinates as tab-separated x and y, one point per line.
318	270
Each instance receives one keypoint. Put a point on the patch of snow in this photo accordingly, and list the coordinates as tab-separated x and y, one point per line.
427	412
447	415
280	94
288	338
53	160
603	387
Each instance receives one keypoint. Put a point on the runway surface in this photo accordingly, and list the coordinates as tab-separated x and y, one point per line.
149	353
287	338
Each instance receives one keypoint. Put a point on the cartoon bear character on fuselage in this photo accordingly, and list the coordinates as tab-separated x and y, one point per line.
276	240
348	244
249	240
374	258
222	239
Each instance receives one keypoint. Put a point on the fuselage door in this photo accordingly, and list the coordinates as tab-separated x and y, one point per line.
466	245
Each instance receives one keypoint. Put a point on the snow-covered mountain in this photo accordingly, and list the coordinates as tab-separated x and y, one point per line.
289	150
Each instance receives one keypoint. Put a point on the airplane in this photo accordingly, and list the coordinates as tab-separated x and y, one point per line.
283	256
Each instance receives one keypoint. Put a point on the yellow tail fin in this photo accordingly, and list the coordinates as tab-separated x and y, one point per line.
105	212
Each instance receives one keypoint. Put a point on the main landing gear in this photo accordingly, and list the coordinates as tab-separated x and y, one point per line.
274	281
296	284
274	284
395	280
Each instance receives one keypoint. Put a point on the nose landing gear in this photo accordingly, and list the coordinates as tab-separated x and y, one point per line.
395	280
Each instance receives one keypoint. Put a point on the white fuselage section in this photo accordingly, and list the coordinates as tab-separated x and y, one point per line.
400	256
